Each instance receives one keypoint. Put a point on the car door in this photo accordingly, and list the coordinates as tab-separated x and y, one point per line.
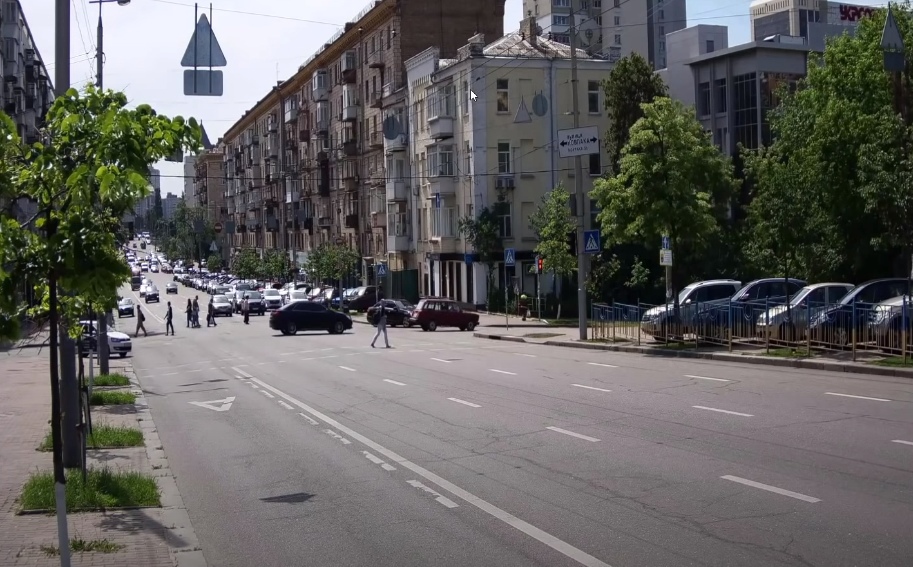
318	315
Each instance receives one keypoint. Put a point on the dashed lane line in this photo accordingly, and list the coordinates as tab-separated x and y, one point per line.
267	394
464	402
378	461
347	368
503	372
769	488
285	405
706	378
740	414
602	365
437	495
393	382
573	434
902	442
856	397
590	388
337	436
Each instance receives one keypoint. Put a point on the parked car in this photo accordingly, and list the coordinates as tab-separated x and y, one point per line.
361	299
152	294
740	312
271	299
836	324
398	312
430	314
660	322
886	326
118	343
221	305
308	316
296	295
171	287
126	308
789	322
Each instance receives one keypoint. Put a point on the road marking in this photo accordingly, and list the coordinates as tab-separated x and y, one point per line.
378	461
416	351
170	374
769	488
309	419
437	496
191	371
857	397
288	353
285	405
524	354
335	435
267	394
241	372
223	405
503	372
262	363
464	402
902	442
441	360
572	434
591	388
347	368
706	378
723	411
601	364
394	382
252	385
530	530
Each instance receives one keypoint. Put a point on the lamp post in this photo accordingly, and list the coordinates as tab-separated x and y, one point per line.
100	52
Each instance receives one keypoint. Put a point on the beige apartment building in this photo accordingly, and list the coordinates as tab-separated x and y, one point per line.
306	164
209	185
486	126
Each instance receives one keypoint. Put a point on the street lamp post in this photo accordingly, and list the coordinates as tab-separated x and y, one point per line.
100	51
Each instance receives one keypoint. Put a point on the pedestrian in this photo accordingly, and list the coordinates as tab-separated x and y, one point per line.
140	317
381	317
245	310
211	313
189	312
196	311
169	316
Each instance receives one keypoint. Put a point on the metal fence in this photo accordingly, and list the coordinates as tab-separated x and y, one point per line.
765	325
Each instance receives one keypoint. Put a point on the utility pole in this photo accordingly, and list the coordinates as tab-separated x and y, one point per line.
580	198
101	321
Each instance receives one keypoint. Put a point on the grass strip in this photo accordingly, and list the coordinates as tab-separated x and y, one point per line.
112	398
105	436
111	380
78	545
103	488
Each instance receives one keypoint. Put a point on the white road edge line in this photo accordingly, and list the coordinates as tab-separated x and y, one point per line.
601	364
723	411
591	388
503	372
857	397
464	402
241	372
394	382
525	354
347	368
902	442
572	434
441	360
532	531
769	488
437	496
285	405
706	378
337	436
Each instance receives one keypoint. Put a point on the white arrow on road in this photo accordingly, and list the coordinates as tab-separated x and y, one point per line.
223	405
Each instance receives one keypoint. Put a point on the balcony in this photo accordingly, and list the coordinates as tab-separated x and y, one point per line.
443	184
440	127
378	219
291	115
397	243
376	100
376	59
304	134
398	144
350	149
325	222
378	176
319	85
349	67
307	225
253	205
349	113
376	140
396	190
352	221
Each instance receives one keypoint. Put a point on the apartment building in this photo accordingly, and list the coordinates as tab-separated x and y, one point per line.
612	28
306	164
798	17
485	131
169	205
209	185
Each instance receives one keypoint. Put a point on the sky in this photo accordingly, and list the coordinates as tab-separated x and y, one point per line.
264	42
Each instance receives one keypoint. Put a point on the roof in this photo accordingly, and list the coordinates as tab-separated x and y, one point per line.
207	144
516	44
748	47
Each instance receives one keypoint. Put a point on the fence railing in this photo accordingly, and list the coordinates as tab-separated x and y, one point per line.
769	324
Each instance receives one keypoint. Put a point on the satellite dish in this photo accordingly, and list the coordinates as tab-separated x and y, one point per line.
588	34
392	127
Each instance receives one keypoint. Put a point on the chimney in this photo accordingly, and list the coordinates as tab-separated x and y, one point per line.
476	45
529	29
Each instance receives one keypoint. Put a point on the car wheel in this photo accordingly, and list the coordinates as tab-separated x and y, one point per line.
424	327
471	326
407	324
432	326
338	328
291	328
123	355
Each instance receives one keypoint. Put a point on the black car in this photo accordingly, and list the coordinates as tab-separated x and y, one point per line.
308	316
740	312
398	312
361	299
152	294
835	325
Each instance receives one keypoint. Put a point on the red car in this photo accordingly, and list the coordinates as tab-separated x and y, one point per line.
430	314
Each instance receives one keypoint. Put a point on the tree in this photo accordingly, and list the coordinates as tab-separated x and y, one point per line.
483	233
552	222
247	264
672	181
214	263
191	233
275	265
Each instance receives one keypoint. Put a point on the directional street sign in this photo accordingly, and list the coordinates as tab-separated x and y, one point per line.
510	257
578	141
667	243
213	247
381	270
591	242
216	405
203	51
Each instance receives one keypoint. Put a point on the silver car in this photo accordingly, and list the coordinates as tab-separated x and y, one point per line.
221	305
780	323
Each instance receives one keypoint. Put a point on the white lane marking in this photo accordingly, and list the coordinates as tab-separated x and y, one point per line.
532	531
378	461
285	405
591	388
601	364
857	397
262	363
723	411
524	354
347	368
192	371
241	372
169	374
416	351
902	442
252	385
267	394
706	378
769	488
464	402
325	349
309	419
572	434
437	496
337	436
387	467
503	372
441	360
394	382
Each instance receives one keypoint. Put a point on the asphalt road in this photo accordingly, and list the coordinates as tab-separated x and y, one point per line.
450	450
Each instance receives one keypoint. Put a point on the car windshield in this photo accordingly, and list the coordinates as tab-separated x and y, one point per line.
270	293
801	295
686	292
403	304
298	295
253	295
126	301
220	299
242	286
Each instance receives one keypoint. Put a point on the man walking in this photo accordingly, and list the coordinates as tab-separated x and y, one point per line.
196	311
169	316
381	317
210	314
140	318
245	310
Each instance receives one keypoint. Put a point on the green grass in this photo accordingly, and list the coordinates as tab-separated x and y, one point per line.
105	436
78	545
788	352
112	398
103	488
895	362
111	380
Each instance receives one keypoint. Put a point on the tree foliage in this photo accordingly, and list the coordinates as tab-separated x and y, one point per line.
333	262
483	234
214	263
552	222
188	234
275	265
246	264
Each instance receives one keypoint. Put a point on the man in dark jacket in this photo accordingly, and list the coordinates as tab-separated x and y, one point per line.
210	314
169	316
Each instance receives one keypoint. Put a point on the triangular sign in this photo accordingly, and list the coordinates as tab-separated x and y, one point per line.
510	256
522	113
891	39
223	405
591	244
204	49
213	247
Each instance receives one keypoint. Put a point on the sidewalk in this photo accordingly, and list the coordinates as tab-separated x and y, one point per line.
151	537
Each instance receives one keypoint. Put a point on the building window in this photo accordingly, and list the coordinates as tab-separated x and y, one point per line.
561	38
598	20
595	165
719	88
703	99
559	20
440	102
561	3
505	225
617	3
443	222
710	46
503	86
617	39
745	109
662	46
440	161
662	14
662	30
593	88
504	157
617	20
597	3
464	96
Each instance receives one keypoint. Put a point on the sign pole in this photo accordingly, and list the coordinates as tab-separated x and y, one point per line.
578	184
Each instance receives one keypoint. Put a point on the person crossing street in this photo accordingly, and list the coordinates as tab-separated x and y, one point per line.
381	317
211	314
140	318
169	317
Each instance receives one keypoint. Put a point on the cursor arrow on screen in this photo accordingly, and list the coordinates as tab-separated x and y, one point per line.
473	96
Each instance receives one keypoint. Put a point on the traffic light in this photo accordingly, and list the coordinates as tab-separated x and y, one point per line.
538	264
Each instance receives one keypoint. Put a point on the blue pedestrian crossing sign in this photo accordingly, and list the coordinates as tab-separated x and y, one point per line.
510	257
381	270
591	242
667	243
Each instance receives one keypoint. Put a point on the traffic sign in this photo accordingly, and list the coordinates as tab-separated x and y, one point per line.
665	257
203	82
217	227
578	141
666	243
468	259
591	242
510	257
204	49
381	270
213	247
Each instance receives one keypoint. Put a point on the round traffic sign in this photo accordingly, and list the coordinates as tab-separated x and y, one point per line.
217	227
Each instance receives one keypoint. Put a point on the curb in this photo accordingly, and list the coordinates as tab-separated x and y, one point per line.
720	357
180	537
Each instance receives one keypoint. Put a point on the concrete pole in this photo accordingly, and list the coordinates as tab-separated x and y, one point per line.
581	199
101	322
